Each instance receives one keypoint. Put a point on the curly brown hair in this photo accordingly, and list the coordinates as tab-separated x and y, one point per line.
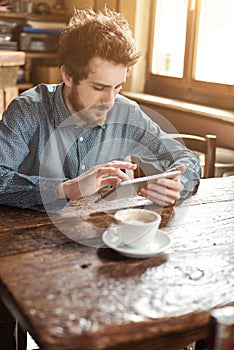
105	34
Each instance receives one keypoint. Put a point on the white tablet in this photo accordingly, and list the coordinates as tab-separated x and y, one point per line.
129	188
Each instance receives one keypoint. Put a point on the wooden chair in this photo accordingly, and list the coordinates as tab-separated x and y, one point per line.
199	144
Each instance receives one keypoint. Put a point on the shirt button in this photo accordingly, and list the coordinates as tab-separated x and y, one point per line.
81	139
83	167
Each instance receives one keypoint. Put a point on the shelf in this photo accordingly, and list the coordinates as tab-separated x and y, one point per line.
40	54
30	56
24	86
33	56
55	17
11	58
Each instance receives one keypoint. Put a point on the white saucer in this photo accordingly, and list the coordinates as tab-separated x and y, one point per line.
160	243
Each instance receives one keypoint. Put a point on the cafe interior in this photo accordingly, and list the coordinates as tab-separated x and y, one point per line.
184	81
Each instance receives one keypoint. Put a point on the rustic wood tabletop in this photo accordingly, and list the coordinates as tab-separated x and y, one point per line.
70	291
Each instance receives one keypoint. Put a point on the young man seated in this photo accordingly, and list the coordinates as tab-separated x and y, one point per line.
66	141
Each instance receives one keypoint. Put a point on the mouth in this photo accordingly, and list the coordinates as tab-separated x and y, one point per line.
99	115
93	115
103	108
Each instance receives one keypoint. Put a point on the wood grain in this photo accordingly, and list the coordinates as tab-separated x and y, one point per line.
14	218
82	296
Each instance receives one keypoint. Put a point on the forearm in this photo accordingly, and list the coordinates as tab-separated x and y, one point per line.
25	191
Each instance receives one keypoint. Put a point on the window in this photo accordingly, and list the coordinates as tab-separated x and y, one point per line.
215	51
169	38
192	52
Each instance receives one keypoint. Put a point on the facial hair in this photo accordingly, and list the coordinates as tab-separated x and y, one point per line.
85	116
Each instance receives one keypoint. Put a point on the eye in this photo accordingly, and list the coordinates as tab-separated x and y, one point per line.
118	88
97	88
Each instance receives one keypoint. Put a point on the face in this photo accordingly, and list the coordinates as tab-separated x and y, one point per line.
90	100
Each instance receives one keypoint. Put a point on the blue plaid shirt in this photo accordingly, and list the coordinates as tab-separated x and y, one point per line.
41	145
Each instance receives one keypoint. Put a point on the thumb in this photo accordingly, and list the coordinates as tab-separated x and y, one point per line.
182	168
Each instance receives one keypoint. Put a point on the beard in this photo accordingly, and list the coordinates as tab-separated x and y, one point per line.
82	115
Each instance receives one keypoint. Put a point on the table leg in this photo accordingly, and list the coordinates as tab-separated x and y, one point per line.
7	329
21	337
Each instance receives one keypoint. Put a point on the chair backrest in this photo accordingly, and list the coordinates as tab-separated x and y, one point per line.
205	145
198	144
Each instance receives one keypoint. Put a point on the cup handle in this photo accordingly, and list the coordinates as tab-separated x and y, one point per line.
114	235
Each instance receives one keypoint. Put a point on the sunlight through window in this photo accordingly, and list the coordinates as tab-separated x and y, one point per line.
215	50
169	38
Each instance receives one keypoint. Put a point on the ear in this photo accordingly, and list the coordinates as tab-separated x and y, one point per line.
66	78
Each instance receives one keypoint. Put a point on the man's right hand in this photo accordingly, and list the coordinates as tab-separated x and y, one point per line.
94	179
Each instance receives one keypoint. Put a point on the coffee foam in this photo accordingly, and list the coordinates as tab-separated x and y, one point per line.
137	218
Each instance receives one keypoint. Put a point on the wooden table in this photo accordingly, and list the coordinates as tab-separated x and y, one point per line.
71	296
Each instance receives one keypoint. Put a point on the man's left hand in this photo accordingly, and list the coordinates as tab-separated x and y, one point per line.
165	191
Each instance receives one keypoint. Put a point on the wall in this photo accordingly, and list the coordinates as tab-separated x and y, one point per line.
194	123
96	4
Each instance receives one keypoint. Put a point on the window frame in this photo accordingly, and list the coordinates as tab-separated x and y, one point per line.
187	88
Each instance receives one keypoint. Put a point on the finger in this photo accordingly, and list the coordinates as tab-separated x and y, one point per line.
158	198
172	192
181	168
110	180
166	193
111	171
162	199
121	165
173	183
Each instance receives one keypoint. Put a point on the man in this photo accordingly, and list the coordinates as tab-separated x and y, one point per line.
66	141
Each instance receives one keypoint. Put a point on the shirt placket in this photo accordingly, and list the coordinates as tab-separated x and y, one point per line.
81	153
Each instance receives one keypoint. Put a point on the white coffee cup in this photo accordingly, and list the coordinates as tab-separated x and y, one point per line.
135	227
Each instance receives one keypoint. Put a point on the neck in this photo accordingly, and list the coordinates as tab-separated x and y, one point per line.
75	115
66	100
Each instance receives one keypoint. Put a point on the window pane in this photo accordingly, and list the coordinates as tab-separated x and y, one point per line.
169	38
215	51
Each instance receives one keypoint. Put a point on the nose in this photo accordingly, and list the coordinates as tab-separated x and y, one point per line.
108	97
